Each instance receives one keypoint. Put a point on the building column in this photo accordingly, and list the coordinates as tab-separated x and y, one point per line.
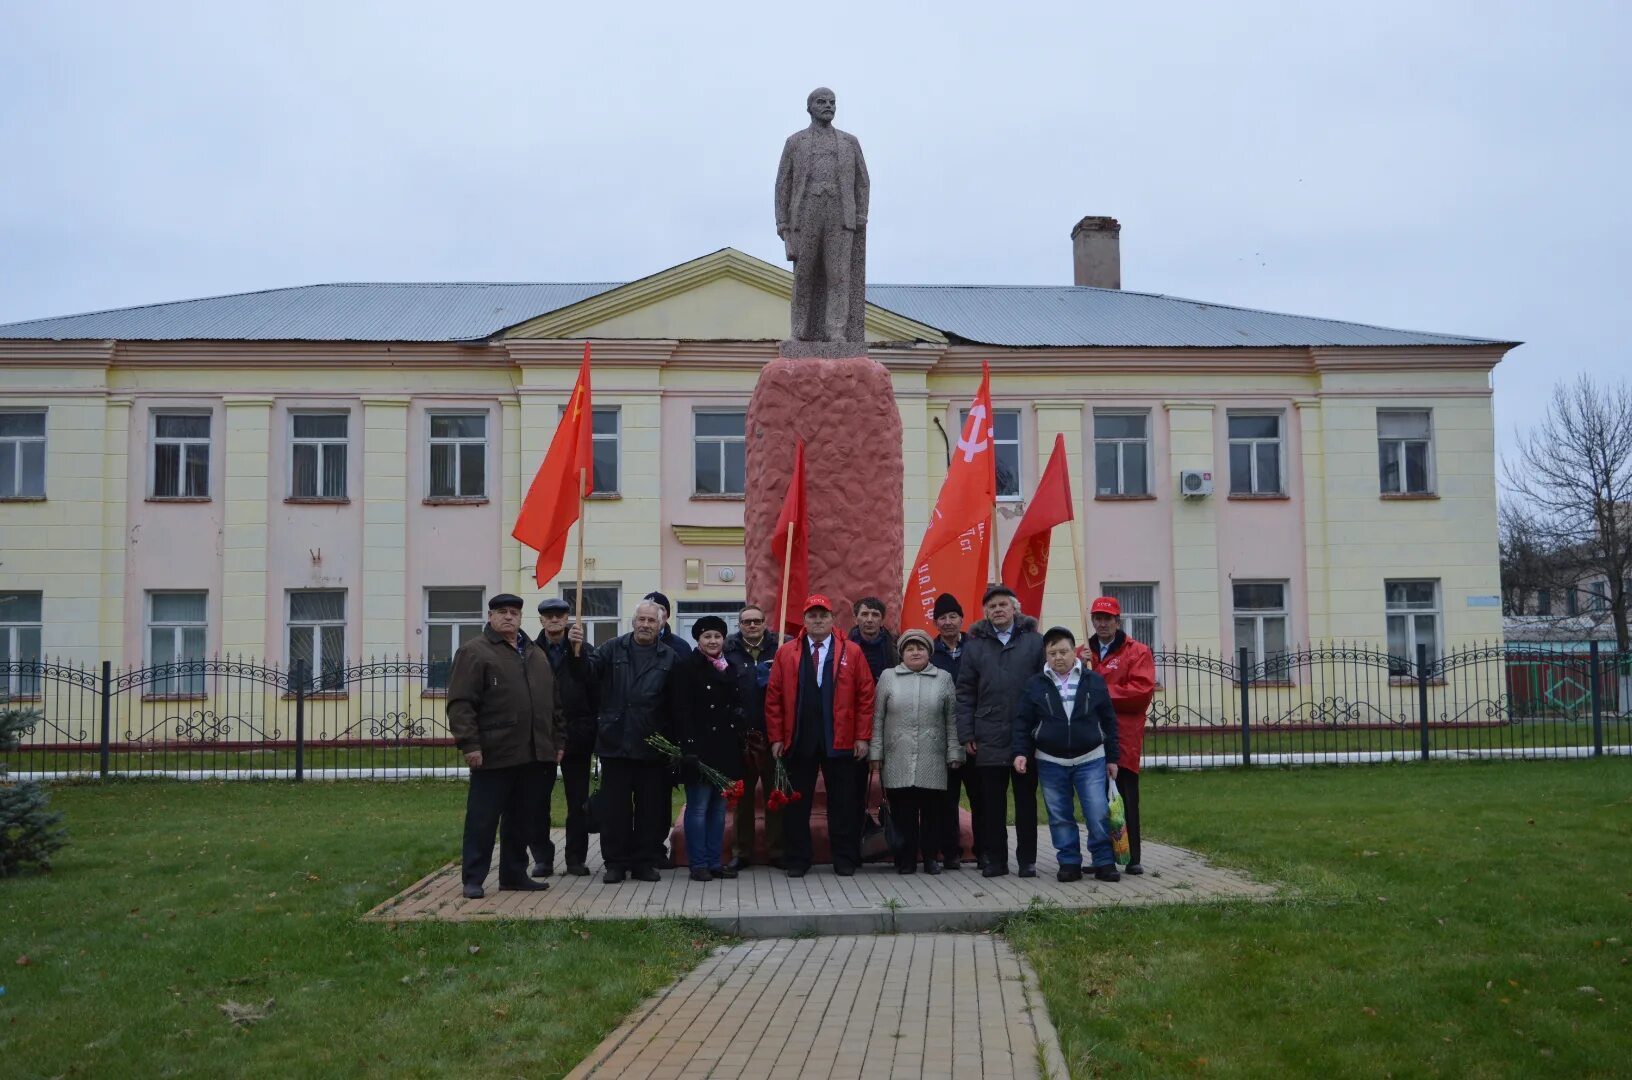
1317	556
385	526
115	522
1196	586
1060	598
244	623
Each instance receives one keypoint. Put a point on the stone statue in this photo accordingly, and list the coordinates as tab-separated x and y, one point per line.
821	216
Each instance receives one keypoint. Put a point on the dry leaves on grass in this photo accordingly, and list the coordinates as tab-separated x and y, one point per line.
245	1015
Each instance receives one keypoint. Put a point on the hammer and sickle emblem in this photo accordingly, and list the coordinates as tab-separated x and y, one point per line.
970	443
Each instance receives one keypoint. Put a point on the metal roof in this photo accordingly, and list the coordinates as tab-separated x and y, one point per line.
1016	316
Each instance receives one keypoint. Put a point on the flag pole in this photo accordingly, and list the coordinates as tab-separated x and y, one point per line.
1076	562
578	597
787	569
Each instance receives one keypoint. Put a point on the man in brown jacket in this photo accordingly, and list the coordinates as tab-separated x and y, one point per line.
504	712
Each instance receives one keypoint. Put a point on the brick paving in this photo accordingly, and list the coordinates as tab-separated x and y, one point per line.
896	1006
764	902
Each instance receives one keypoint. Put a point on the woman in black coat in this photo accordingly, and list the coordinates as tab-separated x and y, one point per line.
706	704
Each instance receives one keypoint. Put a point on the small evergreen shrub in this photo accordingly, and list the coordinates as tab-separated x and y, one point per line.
29	831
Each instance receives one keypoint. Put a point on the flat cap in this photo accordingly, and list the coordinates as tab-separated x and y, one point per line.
505	599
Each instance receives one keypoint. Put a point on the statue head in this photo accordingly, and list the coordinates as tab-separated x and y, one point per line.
821	104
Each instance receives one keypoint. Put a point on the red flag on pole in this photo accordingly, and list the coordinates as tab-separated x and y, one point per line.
793	584
553	502
954	555
1025	567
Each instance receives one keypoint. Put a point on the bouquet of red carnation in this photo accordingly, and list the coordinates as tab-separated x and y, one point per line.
782	792
731	789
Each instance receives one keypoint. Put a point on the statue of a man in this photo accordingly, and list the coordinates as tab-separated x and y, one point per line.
821	215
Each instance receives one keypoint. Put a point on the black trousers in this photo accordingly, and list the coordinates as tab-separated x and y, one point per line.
844	794
991	829
635	814
575	776
1127	785
917	813
540	846
507	801
961	778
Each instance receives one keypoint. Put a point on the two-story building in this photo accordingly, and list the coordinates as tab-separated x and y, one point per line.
331	471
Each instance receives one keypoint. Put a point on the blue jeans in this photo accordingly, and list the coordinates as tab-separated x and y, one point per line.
705	825
1087	781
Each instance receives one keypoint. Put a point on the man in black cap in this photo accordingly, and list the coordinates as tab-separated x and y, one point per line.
630	675
504	713
680	645
578	706
947	655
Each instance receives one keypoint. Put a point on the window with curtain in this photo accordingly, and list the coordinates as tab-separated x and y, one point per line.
600	611
458	455
1255	454
1413	619
22	454
1404	451
176	630
452	617
20	626
317	635
317	455
1261	625
1138	610
181	455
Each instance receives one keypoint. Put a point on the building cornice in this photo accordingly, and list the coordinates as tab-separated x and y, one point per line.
19	353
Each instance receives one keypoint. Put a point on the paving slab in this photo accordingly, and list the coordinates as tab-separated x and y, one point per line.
765	903
899	1006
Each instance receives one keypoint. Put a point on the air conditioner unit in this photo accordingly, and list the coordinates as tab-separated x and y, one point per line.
1195	483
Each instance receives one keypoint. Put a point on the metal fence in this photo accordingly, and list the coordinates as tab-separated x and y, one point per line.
1328	704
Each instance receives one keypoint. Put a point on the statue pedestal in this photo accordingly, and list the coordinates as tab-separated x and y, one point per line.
844	409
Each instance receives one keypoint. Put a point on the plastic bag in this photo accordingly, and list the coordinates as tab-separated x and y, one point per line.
1120	845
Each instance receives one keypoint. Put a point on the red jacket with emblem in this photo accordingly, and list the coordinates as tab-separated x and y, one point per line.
852	694
1129	670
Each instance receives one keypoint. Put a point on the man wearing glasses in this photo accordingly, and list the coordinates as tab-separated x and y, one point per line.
751	650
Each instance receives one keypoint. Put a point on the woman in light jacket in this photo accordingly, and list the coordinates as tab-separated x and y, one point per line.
915	740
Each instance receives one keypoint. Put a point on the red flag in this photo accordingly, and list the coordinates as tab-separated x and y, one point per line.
955	554
552	503
793	519
1025	567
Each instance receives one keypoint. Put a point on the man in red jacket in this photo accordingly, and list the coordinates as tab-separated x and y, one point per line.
1129	669
819	717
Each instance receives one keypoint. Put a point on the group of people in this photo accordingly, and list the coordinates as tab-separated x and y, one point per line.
961	714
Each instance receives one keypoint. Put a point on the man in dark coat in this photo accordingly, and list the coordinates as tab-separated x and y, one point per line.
578	705
750	651
878	646
947	655
1003	651
631	674
504	713
667	635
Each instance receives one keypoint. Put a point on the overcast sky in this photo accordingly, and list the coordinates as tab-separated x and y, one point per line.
1458	167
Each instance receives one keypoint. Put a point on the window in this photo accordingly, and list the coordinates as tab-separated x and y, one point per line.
1403	440
175	642
458	455
452	617
719	450
181	455
600	611
1413	619
1598	595
1260	626
1006	445
1255	453
1138	610
1121	453
20	623
687	612
317	455
317	635
1544	602
22	455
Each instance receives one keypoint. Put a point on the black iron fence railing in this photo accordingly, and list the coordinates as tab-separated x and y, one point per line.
1330	704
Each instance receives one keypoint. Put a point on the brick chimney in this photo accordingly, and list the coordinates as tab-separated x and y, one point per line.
1096	253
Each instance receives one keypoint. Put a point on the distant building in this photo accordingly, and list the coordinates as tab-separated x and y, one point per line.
331	471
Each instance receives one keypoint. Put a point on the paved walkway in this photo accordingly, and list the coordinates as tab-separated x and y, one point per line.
837	1007
764	902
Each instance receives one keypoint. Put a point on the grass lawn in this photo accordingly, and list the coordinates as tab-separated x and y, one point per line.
1470	919
175	898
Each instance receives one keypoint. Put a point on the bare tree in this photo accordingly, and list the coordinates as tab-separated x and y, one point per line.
1533	563
1574	472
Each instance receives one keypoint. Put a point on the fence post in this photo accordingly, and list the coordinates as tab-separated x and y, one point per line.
107	712
1243	675
1597	701
297	675
1422	695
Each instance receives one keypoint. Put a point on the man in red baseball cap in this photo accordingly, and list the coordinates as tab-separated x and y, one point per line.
1129	669
819	718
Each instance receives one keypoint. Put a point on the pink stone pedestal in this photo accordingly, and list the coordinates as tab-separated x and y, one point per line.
845	411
